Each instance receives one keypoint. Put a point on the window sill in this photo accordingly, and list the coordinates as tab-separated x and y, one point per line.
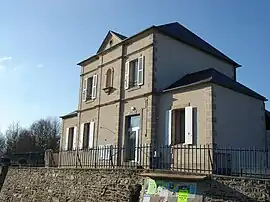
89	101
108	90
133	88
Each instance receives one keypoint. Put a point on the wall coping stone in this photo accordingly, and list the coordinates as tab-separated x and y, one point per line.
175	176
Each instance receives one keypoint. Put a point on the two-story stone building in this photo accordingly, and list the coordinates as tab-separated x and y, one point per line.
162	86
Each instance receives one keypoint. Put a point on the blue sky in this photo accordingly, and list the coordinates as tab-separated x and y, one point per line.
42	41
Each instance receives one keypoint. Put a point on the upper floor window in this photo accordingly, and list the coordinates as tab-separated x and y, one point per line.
109	78
89	88
111	43
134	71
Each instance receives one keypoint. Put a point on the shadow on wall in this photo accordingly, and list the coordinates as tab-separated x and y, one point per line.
4	171
218	191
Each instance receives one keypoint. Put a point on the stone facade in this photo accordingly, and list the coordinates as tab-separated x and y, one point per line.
73	185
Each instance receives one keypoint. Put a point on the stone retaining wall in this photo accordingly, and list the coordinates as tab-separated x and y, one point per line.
68	185
100	185
223	188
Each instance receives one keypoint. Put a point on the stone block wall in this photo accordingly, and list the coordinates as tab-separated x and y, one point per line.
86	185
69	185
225	189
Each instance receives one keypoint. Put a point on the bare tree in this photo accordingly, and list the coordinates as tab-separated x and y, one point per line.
46	133
12	136
2	143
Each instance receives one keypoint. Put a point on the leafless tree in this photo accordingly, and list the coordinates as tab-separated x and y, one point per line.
46	133
2	143
12	136
42	134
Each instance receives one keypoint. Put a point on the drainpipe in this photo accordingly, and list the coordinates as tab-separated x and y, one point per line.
99	96
121	114
79	119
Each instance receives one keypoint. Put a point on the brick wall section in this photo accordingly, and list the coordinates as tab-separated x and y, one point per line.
73	185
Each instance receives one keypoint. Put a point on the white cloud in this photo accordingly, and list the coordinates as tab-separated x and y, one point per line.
3	60
40	65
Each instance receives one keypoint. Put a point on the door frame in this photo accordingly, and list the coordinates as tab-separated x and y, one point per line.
137	130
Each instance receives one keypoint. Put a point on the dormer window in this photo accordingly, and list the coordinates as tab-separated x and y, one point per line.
108	81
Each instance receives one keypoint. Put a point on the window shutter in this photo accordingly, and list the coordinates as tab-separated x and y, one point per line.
81	137
74	139
94	87
172	125
188	125
127	75
84	90
140	70
91	134
168	126
65	147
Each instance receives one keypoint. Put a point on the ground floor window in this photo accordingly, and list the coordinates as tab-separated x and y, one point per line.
86	130
70	138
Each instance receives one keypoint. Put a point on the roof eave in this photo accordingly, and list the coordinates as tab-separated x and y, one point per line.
209	80
189	85
69	115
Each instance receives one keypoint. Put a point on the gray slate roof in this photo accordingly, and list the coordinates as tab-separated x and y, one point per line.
69	115
181	33
122	37
213	76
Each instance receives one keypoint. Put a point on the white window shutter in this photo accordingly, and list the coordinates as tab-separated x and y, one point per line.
75	138
94	87
84	90
140	70
81	136
168	126
127	75
65	147
188	125
91	134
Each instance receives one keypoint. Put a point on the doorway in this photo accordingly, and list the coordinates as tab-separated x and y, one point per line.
132	138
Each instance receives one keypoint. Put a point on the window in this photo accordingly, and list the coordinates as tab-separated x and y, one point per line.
134	70
86	139
109	78
89	88
179	128
70	138
133	73
86	131
111	43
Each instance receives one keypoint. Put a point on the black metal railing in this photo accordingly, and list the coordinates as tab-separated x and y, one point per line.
183	158
197	159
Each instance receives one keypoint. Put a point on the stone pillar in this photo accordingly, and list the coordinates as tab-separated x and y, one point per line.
48	158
